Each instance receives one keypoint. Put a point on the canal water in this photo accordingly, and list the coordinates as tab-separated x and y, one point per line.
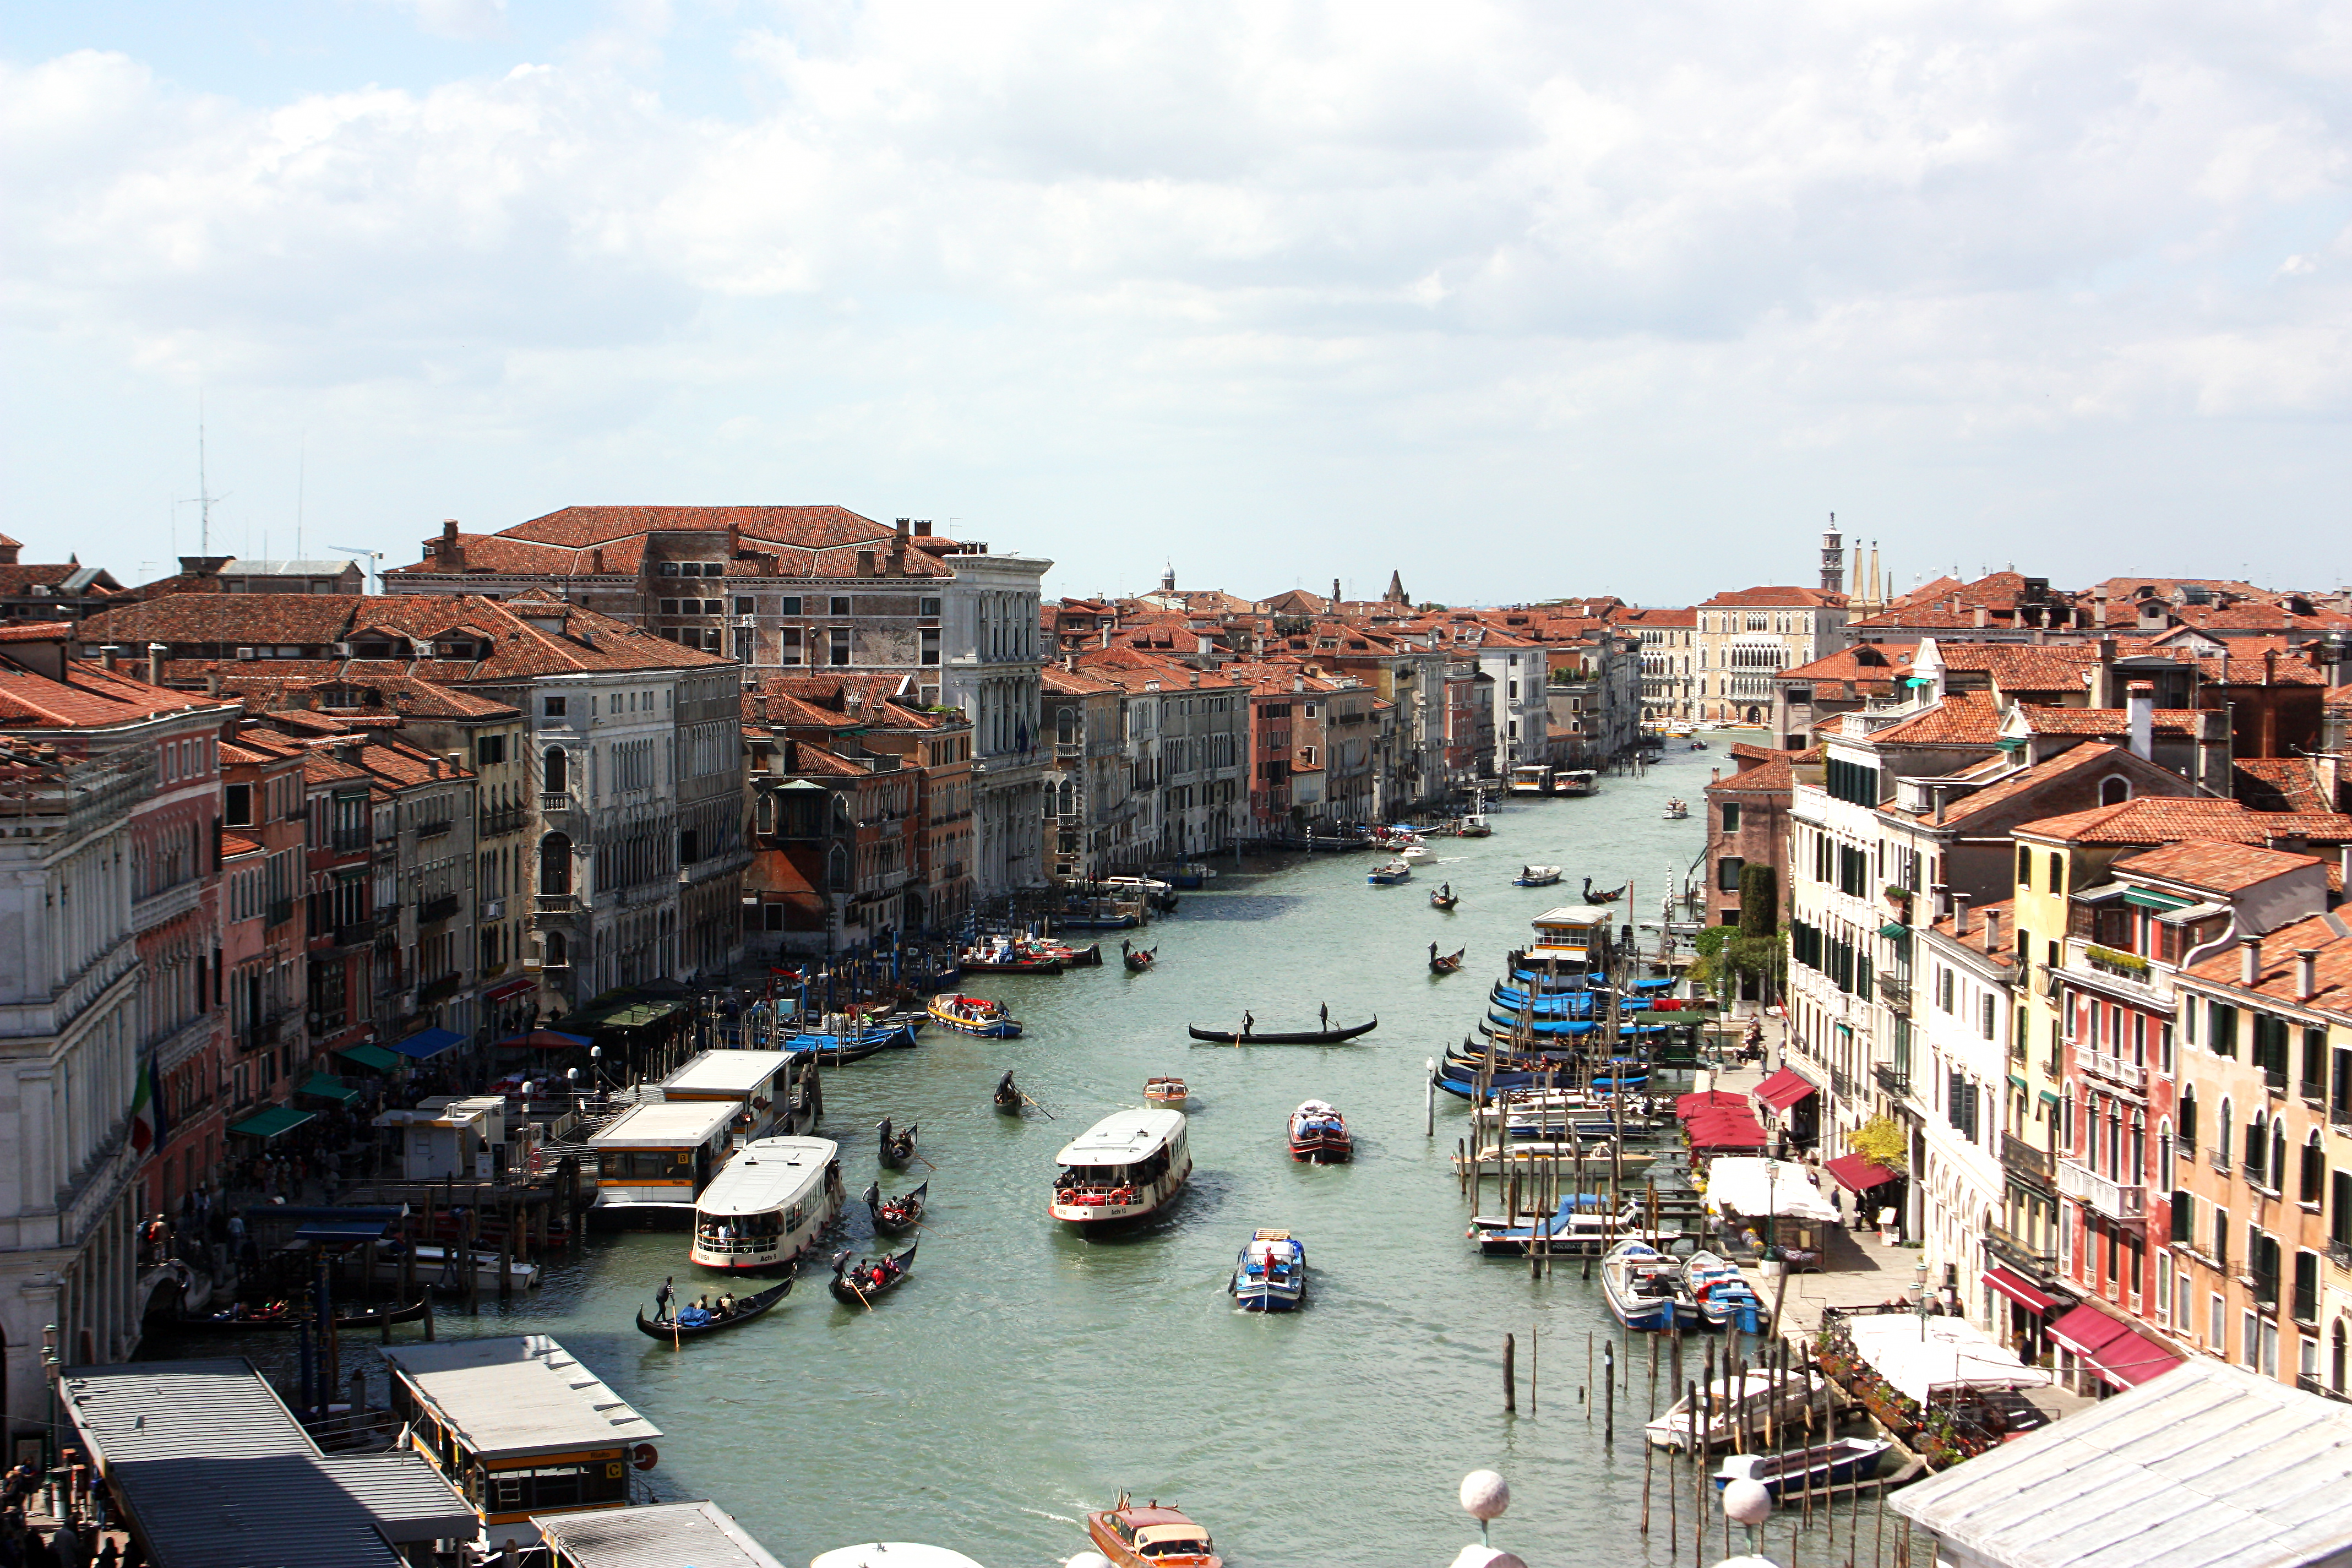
1025	1375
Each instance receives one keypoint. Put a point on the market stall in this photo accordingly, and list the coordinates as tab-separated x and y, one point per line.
1758	1203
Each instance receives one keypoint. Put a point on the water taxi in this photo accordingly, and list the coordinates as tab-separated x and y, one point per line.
1165	1091
1125	1166
1150	1537
1532	778
1644	1286
654	1159
1416	853
975	1016
1675	811
767	1208
1270	1275
1389	874
1319	1132
1535	876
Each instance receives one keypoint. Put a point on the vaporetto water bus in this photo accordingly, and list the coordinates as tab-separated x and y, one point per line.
654	1159
767	1208
1125	1166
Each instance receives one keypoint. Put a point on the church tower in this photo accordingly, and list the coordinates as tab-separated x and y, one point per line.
1833	558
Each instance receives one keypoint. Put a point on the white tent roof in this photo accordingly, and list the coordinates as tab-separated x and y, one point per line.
1920	1356
1756	1186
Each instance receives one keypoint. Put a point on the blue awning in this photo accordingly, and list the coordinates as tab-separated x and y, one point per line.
1658	984
426	1044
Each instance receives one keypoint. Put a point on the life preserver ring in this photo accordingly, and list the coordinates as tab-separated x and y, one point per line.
644	1456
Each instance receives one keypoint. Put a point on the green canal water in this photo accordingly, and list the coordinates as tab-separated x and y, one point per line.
1025	1375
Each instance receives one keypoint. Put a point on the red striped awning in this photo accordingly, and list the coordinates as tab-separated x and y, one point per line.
1855	1174
2119	1353
507	988
2019	1290
1785	1088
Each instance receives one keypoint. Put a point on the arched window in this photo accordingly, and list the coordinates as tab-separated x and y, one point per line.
764	815
559	951
2275	1168
2221	1134
2188	1109
2257	1148
2315	1169
2114	790
2057	872
837	870
555	863
553	773
2164	1150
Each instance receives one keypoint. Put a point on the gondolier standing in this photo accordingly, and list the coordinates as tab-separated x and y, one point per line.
1324	1012
663	1299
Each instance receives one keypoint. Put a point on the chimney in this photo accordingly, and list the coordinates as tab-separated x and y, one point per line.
596	561
2139	701
1105	635
1993	930
1335	593
155	652
923	528
2099	607
2250	956
1983	616
112	656
898	549
2102	690
865	563
451	556
2306	973
212	683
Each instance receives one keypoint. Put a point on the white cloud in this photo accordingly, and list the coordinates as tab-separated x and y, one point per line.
456	18
1218	268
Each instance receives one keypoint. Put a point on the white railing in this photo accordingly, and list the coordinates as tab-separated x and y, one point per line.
2114	1069
2111	1198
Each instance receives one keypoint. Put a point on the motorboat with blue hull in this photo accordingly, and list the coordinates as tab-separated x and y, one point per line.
1849	1461
1270	1274
1724	1297
1644	1286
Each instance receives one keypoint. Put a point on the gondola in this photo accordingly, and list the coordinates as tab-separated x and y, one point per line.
858	1286
1137	959
1445	963
345	1322
746	1308
1445	897
1007	1097
1592	897
897	1148
895	1216
1308	1038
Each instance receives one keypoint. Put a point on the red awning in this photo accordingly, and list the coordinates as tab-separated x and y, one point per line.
2115	1350
1784	1089
507	988
2017	1291
1725	1129
1709	1100
1855	1174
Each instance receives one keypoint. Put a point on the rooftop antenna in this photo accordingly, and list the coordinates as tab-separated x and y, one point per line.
376	578
203	498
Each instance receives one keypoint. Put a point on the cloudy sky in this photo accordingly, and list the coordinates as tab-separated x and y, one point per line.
1520	299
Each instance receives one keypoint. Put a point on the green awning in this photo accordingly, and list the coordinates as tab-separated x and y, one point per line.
375	1058
270	1123
325	1086
1895	929
2018	1080
2048	1099
2149	901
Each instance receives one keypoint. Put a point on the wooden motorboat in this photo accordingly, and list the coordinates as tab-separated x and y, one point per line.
1388	873
1844	1462
1535	876
1170	1091
693	1322
1150	1537
1445	897
1475	828
1734	1405
1137	958
1270	1275
1008	960
1416	853
974	1015
1248	1036
1008	1097
1722	1294
897	1148
895	1216
1644	1285
859	1283
1445	963
1675	811
1596	896
1319	1133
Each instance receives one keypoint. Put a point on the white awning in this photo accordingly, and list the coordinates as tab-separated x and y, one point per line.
1748	1186
1924	1356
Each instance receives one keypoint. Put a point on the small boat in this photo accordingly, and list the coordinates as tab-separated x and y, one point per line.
1270	1275
847	1045
1735	1405
1722	1295
1595	896
1150	1537
1319	1133
1417	854
1248	1036
442	1268
1535	876
1644	1285
1137	959
1475	828
1170	1091
859	1283
1062	953
1577	781
1445	897
897	1148
693	1322
974	1015
1388	874
1008	1097
1675	811
1002	957
1699	745
895	1216
286	1315
1844	1462
1445	963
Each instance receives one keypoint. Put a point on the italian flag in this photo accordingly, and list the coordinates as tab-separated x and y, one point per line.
147	1112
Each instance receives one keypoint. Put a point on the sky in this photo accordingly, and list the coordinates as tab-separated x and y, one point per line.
1521	301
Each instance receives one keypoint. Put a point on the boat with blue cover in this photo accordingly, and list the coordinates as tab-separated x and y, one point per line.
1644	1286
1724	1297
848	1045
1582	1226
1389	874
1270	1275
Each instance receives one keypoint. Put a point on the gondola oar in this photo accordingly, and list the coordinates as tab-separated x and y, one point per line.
1048	1115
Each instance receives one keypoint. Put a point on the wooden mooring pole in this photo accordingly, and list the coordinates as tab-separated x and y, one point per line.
1510	1375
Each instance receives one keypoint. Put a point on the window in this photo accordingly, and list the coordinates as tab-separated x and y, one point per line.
551	706
927	607
788	645
2024	871
1990	1022
713	606
554	771
2303	1305
1731	818
238	804
2220	1028
2217	1325
839	604
489	750
742	605
837	646
2114	790
670	606
1727	873
931	639
670	568
2314	1171
2057	872
2184	1219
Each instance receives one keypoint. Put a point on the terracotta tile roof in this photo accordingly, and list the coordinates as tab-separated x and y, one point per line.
2216	865
1072	682
1783	595
2158	820
2004	910
2051	667
2275	977
90	696
1961	719
1913	618
40	631
1678	620
383	688
1864	661
809	527
2105	721
1773	776
2279	784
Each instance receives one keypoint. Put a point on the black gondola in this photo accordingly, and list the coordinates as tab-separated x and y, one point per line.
1445	897
1310	1037
897	1148
1447	963
872	1277
1008	1095
746	1308
345	1322
1592	897
895	1216
1137	958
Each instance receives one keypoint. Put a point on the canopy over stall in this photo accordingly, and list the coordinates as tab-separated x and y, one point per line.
1781	1188
1924	1357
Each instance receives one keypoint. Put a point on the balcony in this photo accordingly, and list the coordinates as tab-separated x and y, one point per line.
440	908
559	906
2130	1075
2110	960
439	990
496	824
1841	1086
553	805
1894	992
348	840
2023	1159
2109	1197
356	935
433	829
280	912
2019	1254
494	909
2339	1253
1895	1079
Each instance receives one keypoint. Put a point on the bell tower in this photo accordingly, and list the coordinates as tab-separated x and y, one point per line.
1833	558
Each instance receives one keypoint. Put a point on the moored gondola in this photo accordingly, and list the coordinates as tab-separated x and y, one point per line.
1308	1038
287	1316
1008	1097
1137	958
895	1216
1445	963
858	1284
693	1322
897	1148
